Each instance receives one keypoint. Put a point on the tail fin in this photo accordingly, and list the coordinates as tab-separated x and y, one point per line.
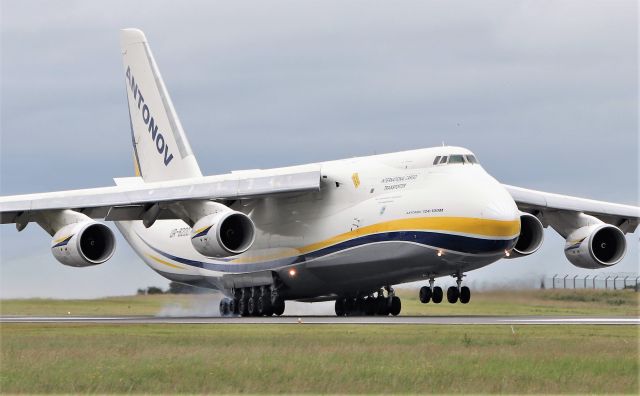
160	146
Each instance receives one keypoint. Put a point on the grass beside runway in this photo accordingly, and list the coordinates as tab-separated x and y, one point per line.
301	358
506	302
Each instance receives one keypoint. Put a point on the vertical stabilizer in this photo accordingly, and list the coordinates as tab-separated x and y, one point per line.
161	149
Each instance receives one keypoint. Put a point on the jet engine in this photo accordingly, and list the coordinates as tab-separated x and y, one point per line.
595	246
83	244
223	234
531	236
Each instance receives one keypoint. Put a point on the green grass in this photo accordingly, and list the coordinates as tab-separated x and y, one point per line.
532	302
73	358
507	302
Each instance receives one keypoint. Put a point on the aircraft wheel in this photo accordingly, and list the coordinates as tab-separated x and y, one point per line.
339	307
465	294
382	306
425	294
361	305
242	307
232	307
260	306
224	307
278	307
396	306
252	306
436	297
452	295
370	306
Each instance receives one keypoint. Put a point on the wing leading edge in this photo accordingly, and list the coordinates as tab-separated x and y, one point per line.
547	205
127	200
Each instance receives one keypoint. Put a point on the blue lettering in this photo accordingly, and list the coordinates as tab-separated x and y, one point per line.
140	98
168	158
153	128
148	118
159	146
145	114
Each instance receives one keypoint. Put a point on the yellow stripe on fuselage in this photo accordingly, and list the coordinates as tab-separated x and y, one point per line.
463	225
154	258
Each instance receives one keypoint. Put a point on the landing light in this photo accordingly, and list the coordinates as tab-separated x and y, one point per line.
292	272
507	253
440	253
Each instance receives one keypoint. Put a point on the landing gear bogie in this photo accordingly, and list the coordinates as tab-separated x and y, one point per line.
255	301
369	305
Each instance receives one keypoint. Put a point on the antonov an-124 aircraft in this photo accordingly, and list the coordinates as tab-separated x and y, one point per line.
342	230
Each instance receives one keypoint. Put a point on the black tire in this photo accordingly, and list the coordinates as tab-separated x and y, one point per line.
452	295
252	306
224	307
361	305
425	294
349	306
260	306
339	307
242	307
465	295
436	296
233	309
382	306
396	306
278	307
370	306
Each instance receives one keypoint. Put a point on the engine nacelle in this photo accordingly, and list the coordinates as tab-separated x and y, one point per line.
223	234
595	246
83	244
531	236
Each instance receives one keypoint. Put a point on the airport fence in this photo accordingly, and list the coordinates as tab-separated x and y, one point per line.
601	281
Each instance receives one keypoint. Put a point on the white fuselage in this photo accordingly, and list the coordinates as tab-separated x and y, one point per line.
377	220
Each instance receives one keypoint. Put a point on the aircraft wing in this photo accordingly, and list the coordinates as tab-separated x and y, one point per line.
128	199
625	217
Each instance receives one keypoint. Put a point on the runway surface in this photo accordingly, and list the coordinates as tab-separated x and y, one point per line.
386	320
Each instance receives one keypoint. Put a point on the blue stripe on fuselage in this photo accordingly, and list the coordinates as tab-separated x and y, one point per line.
458	243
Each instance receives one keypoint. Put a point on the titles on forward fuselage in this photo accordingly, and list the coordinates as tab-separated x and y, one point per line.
148	119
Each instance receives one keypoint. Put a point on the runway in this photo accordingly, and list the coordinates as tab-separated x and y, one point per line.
326	320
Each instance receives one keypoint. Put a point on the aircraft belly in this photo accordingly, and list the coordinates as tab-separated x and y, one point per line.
366	268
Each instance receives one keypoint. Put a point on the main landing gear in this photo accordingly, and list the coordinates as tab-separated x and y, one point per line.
370	305
253	301
454	293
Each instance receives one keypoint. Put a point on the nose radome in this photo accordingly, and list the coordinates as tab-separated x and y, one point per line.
500	205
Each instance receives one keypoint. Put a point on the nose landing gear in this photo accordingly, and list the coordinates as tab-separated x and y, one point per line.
454	293
431	293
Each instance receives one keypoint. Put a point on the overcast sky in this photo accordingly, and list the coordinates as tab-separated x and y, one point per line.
544	92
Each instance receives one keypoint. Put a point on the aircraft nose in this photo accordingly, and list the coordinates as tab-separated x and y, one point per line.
499	205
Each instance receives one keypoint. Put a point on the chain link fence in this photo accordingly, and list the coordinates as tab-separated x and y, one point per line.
600	281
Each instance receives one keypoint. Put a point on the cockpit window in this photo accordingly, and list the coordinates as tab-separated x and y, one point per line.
456	159
471	159
435	161
443	160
